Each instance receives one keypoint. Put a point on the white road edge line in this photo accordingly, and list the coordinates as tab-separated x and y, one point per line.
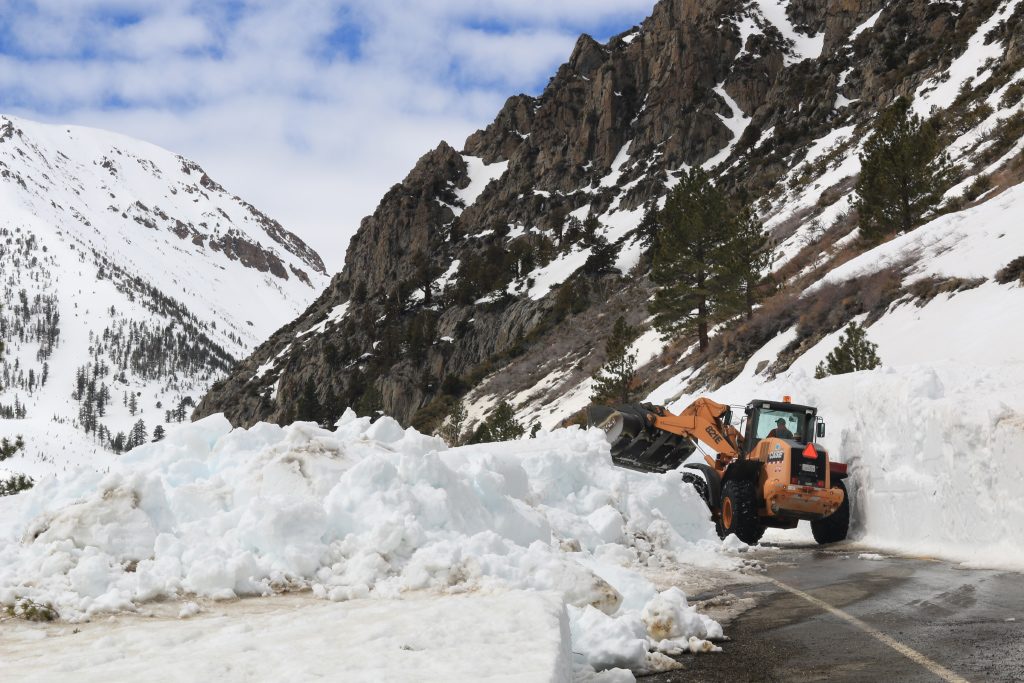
911	654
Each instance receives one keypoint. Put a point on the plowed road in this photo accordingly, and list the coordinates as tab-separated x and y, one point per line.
835	614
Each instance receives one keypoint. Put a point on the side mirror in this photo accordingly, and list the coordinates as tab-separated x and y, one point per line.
820	430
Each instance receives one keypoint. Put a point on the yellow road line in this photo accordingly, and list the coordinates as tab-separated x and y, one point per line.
910	653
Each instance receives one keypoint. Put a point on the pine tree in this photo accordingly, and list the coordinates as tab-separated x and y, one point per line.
8	448
79	384
904	171
614	381
591	229
602	257
572	232
452	430
751	254
371	401
307	408
500	425
102	399
691	259
133	404
647	230
138	435
158	433
15	484
854	352
424	274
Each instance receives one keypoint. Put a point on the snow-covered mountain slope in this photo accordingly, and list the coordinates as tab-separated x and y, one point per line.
125	270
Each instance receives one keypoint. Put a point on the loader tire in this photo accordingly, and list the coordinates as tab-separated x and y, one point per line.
700	485
739	512
833	528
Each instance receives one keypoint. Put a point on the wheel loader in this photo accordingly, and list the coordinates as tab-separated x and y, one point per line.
768	473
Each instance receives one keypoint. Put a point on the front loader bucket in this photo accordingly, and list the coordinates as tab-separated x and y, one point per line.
617	425
635	442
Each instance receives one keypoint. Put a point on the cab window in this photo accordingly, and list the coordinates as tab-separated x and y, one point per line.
767	422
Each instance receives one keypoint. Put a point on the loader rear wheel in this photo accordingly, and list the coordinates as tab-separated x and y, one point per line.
739	512
833	528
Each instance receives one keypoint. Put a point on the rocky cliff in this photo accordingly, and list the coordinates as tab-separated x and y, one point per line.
485	274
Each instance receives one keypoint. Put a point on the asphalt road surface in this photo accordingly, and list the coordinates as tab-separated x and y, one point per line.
831	615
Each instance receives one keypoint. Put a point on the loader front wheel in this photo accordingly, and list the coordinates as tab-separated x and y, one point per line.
739	512
833	528
699	484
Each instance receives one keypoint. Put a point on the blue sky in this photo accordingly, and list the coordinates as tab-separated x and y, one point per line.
309	108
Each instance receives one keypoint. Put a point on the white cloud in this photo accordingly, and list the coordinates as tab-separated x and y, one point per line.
310	109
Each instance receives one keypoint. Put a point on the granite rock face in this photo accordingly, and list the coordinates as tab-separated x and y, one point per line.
698	81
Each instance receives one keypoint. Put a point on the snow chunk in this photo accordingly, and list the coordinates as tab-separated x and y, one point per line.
732	543
385	430
189	609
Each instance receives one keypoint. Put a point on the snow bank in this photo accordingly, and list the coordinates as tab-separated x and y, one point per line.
935	451
936	455
368	510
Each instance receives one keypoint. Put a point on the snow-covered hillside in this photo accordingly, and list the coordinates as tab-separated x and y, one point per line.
131	281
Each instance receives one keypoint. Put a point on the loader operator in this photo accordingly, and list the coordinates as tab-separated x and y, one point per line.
780	431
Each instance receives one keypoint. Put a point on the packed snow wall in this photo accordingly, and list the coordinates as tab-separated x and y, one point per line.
936	453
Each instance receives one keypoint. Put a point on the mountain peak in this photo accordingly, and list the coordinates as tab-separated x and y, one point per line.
134	268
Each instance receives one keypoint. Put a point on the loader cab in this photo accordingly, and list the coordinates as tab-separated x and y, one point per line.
761	417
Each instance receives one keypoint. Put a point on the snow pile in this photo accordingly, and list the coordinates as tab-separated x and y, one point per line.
665	625
368	510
